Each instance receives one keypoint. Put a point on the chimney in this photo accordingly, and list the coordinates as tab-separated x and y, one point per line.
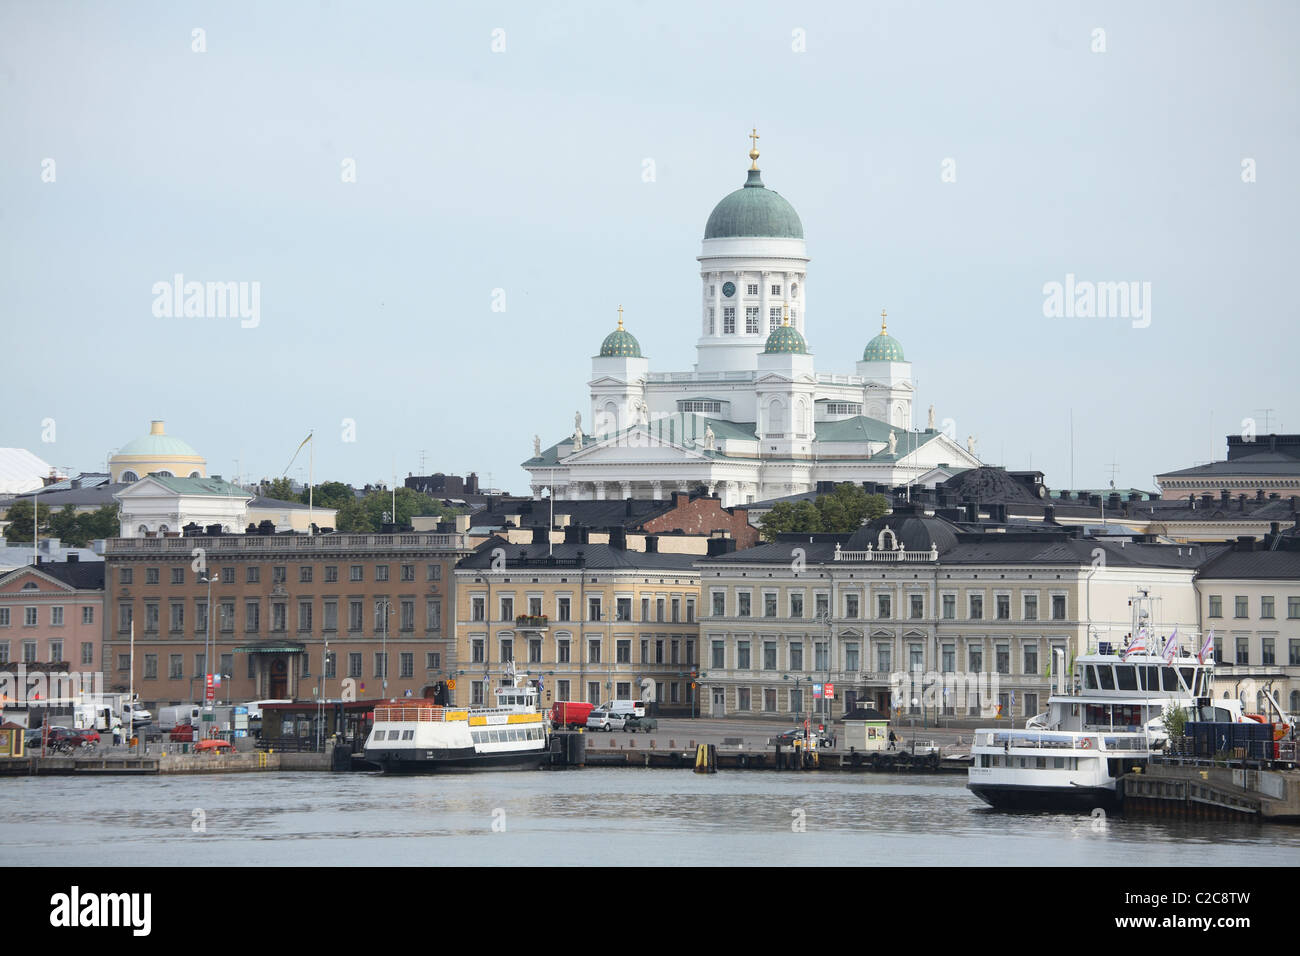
540	534
462	523
652	544
74	557
618	538
1245	542
721	546
1224	495
156	427
1259	494
76	483
1049	514
1207	500
1241	502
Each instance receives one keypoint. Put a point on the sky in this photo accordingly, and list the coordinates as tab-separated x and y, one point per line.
443	206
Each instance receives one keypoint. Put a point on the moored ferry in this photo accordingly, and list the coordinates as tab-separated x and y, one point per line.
419	736
1102	723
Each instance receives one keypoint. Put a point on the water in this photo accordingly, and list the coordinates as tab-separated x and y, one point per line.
588	817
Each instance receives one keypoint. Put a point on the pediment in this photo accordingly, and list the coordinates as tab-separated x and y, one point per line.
635	444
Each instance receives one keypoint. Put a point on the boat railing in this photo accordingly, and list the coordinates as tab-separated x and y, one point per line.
1058	740
408	712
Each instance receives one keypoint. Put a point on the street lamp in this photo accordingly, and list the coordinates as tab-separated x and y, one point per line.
797	682
388	610
206	578
825	618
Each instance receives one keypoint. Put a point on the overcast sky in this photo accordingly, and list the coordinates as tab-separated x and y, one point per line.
522	170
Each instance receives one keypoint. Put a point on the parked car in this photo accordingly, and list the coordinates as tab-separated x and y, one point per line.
66	738
604	720
787	739
628	707
647	724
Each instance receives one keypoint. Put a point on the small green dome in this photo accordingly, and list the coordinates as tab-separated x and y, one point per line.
785	338
753	210
620	343
884	347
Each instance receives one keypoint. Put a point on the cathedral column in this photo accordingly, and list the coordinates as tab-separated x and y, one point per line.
763	289
710	486
599	487
715	278
657	490
537	491
626	487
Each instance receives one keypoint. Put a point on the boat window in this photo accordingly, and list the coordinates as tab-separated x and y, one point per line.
1089	678
1169	677
1188	675
408	734
1058	763
1151	678
1105	679
1126	677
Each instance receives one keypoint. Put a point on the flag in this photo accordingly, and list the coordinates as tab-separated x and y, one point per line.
295	452
1207	648
1171	647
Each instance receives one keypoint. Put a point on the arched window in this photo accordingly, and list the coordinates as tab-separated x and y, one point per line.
195	474
143	529
129	476
164	474
1295	701
162	528
776	417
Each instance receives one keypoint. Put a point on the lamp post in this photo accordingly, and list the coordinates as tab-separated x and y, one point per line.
825	618
206	578
797	682
388	610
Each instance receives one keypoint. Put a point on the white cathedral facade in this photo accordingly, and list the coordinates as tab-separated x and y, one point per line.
754	419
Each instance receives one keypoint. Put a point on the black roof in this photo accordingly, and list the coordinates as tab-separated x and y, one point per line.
82	575
1236	563
574	555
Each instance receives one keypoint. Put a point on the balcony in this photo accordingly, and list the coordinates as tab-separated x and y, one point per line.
532	622
898	556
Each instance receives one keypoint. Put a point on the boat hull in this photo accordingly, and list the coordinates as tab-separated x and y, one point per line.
467	760
1031	799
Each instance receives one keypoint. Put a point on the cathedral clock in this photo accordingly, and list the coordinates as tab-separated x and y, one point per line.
728	289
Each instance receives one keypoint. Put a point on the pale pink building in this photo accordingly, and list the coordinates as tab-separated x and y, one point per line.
52	612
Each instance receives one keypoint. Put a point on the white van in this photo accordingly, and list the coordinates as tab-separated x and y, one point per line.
628	708
183	715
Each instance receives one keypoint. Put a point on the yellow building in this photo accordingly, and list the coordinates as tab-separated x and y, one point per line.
594	622
156	452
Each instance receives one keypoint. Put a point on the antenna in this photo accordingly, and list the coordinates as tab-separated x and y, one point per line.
1267	413
422	454
1113	468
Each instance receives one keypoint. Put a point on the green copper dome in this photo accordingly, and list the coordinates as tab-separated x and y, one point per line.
620	343
884	347
785	338
753	210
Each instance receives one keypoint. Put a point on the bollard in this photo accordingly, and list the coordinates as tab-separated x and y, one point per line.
706	759
652	745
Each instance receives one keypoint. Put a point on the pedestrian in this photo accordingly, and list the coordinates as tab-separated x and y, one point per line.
892	741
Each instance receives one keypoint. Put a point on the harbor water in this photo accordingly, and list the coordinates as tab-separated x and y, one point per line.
583	818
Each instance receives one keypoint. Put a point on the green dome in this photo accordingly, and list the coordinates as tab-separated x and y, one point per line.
785	338
883	348
753	210
620	343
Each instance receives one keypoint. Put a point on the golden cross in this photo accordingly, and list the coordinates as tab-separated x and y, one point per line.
620	316
753	149
882	321
753	139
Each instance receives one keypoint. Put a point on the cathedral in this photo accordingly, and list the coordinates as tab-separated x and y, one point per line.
754	419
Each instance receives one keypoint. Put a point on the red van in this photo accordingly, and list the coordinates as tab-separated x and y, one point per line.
569	713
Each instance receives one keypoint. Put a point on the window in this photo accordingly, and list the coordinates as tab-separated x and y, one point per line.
433	661
331	574
562	609
1293	607
850	605
177	622
252	575
279	616
356	616
916	609
1243	650
884	658
1031	659
279	574
535	650
838	408
200	665
562	651
769	655
821	656
381	664
707	407
676	610
227	575
690	610
304	616
87	653
151	667
356	572
1293	650
1003	655
304	574
851	660
507	650
948	658
178	575
977	607
381	572
535	607
729	320
1003	605
593	651
56	651
476	608
1031	607
1242	606
433	616
719	655
4	617
950	607
331	666
150	617
433	572
56	619
884	608
623	609
1266	652
408	572
742	605
1266	607
742	698
175	666
593	609
125	615
252	616
769	604
976	656
200	617
719	604
226	616
29	652
713	319
1058	607
150	575
125	575
796	604
776	288
623	652
796	656
751	288
751	320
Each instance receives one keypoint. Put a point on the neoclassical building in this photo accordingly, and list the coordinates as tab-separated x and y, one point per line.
754	419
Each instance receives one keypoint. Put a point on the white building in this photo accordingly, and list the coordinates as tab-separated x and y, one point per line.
754	419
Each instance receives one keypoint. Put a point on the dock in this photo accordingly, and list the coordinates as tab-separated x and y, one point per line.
1213	790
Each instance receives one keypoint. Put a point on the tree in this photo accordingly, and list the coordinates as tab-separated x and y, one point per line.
329	494
844	510
366	515
20	520
280	489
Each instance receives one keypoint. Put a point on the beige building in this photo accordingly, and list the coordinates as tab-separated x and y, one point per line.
592	621
156	452
976	615
1250	597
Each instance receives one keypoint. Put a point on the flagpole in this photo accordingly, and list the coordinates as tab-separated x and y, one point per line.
311	477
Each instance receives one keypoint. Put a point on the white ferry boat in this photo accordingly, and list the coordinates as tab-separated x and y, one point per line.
418	736
1101	724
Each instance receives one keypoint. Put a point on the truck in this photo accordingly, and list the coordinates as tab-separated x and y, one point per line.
181	715
570	714
192	722
95	715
